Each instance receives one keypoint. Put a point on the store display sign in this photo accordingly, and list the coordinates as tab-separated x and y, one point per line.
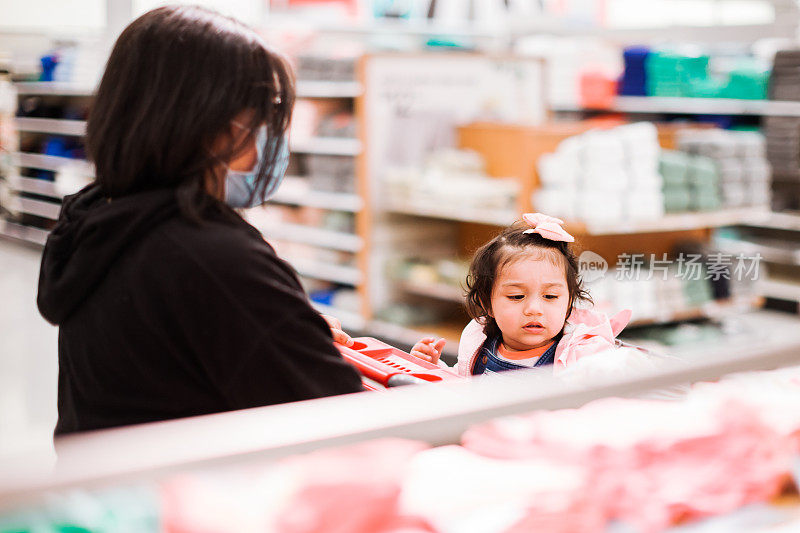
415	103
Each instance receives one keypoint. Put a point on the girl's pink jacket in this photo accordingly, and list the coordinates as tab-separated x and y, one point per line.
587	332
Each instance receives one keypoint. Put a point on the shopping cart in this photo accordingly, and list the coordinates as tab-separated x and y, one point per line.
382	366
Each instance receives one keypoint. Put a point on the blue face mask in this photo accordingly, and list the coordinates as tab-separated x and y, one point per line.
240	186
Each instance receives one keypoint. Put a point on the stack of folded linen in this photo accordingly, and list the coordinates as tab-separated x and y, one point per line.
736	165
603	176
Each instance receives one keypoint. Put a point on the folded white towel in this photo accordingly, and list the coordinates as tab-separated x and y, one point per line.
557	169
555	202
599	206
644	206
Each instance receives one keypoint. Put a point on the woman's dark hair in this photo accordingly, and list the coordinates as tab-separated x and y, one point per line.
175	80
512	244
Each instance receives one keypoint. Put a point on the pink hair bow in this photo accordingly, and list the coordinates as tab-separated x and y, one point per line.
593	333
547	226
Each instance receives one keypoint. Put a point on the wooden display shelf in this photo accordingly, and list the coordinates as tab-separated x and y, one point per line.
513	150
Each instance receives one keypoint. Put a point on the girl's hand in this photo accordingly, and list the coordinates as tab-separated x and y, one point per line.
336	330
429	349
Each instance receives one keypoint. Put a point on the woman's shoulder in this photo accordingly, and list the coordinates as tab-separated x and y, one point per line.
226	250
219	266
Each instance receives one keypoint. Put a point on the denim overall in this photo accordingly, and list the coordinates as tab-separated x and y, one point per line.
489	362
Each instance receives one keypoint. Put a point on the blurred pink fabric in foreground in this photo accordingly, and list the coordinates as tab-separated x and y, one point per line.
653	464
650	464
338	490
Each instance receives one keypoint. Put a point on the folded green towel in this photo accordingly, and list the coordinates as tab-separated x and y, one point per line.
706	201
676	199
674	167
703	172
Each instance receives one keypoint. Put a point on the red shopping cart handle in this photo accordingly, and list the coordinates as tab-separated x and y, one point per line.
389	366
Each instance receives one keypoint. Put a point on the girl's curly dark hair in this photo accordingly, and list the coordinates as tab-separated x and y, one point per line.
511	244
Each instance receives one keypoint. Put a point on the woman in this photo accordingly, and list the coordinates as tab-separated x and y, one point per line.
169	304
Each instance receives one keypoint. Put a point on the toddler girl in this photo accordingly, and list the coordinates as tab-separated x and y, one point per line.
522	286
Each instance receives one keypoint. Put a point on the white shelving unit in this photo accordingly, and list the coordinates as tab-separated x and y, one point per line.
507	30
54	163
42	88
43	188
773	251
329	89
327	146
346	275
36	186
39	208
296	191
350	320
74	128
713	310
695	106
440	291
790	221
494	217
20	232
318	237
410	336
780	289
670	222
673	222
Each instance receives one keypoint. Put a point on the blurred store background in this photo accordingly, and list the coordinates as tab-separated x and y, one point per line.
666	133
